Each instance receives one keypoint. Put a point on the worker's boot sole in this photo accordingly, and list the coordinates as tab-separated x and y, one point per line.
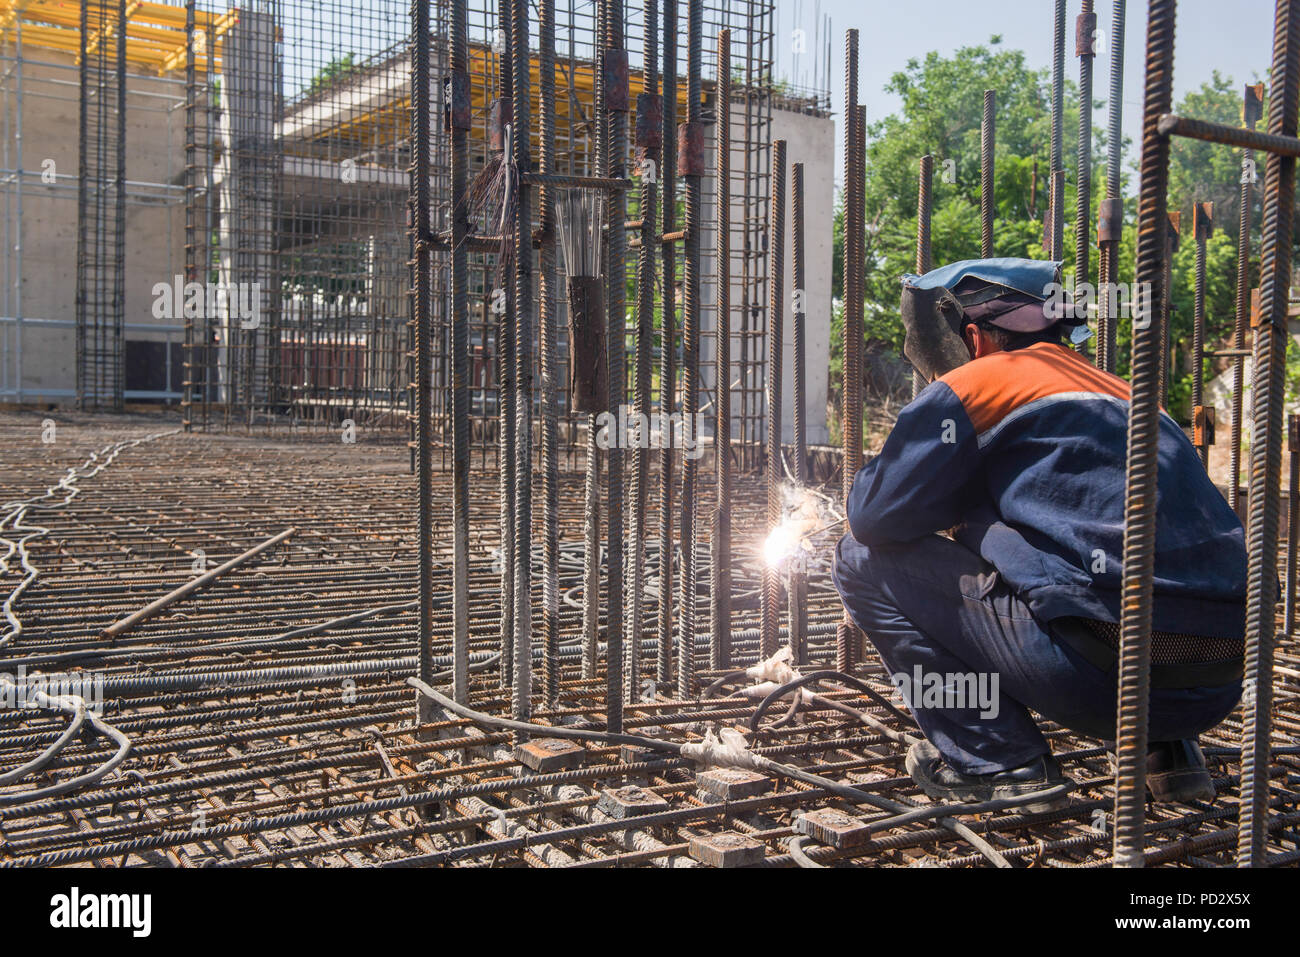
925	764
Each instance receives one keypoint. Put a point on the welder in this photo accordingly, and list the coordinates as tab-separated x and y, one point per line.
986	540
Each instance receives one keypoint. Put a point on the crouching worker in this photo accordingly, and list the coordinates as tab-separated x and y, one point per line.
1017	447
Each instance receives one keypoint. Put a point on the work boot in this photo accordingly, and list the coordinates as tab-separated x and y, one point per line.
1176	772
944	783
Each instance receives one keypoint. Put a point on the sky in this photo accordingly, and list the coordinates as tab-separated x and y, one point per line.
1233	36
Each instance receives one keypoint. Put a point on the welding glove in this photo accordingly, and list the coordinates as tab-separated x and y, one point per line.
933	320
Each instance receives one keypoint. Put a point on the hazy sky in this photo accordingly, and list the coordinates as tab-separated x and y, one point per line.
1233	36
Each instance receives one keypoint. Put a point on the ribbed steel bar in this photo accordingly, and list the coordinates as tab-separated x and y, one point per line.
506	415
851	388
1084	33
987	206
613	164
1201	226
458	61
720	593
923	207
1143	438
422	316
1057	197
667	347
1174	125
1252	104
191	213
648	211
521	159
1267	400
1293	523
1110	221
798	312
549	332
771	598
690	351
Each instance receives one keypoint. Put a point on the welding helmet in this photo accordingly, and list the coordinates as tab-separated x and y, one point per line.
1016	295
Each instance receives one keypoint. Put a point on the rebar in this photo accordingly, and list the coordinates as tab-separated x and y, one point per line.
798	607
1084	38
690	353
1113	221
1202	225
851	388
1057	198
987	204
771	602
1266	440
720	545
1252	104
667	348
1143	438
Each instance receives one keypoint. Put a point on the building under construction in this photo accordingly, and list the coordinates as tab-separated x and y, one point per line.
407	406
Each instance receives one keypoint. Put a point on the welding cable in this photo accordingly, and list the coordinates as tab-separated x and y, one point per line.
73	705
76	706
712	752
866	689
795	847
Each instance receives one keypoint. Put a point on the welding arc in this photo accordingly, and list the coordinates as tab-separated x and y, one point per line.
903	813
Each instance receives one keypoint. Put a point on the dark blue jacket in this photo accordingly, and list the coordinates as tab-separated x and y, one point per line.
1023	453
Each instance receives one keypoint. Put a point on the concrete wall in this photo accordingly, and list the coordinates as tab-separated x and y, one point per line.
810	140
44	288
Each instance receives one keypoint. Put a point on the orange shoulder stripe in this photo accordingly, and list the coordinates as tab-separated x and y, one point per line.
992	387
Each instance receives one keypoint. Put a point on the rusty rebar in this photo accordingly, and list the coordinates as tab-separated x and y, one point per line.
1202	225
987	205
771	599
1252	106
667	348
1110	216
720	593
1266	440
1085	29
798	606
924	262
1143	440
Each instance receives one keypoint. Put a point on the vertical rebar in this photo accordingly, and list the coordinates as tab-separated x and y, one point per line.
191	230
987	134
1201	227
668	345
1251	107
1057	198
1293	521
521	160
1084	30
846	632
458	40
421	287
771	597
1266	440
690	355
549	335
647	207
799	307
720	644
1111	225
613	164
1173	224
506	388
1143	439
